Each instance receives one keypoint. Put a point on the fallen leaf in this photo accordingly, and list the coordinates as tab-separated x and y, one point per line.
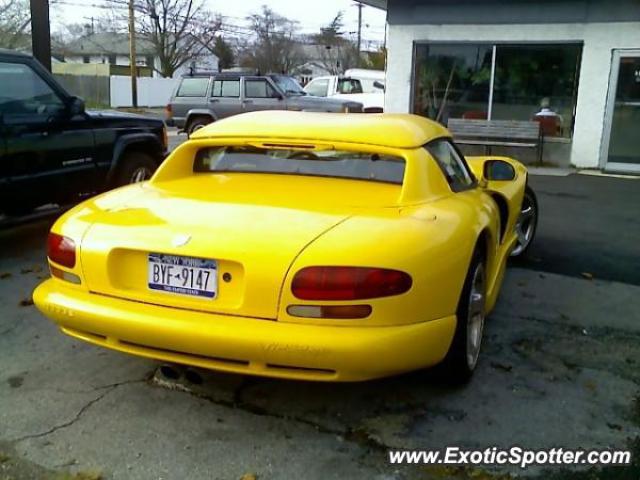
587	275
26	302
501	366
249	476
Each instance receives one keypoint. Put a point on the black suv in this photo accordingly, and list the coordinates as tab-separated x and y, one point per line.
202	98
53	151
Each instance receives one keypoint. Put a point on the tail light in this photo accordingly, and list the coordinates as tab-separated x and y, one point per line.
348	283
61	250
169	110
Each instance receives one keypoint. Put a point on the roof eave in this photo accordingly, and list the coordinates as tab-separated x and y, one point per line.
381	4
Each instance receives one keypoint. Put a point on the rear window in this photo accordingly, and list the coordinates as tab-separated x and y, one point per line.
193	87
324	163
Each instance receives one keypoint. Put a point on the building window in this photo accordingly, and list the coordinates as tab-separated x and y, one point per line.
86	59
537	82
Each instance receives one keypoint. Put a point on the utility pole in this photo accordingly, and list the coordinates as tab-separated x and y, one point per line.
132	56
360	6
40	32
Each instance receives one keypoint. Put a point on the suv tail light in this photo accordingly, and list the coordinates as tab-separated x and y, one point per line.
169	110
348	283
61	250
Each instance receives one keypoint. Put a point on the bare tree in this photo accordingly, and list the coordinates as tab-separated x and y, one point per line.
15	23
274	48
178	30
335	52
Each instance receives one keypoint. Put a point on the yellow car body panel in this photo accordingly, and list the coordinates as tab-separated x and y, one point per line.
262	229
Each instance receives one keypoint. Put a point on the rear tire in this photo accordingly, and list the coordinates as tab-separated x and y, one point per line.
462	358
135	167
196	124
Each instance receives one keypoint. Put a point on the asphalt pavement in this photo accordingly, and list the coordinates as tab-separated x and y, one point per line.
589	225
559	368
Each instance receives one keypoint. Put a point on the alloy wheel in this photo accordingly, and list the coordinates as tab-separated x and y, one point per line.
475	318
525	225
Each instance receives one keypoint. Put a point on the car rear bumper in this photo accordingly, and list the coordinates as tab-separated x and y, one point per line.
244	345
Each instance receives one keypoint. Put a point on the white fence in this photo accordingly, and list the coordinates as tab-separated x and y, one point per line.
152	92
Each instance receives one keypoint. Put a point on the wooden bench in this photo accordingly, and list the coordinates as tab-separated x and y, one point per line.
497	133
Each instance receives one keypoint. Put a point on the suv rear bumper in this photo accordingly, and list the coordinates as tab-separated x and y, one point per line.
244	345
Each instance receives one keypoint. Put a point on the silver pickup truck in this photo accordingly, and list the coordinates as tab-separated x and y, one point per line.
203	98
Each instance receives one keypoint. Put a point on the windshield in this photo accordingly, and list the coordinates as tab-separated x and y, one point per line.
288	85
325	163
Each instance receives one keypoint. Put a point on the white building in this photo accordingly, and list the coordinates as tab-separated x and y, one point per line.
505	59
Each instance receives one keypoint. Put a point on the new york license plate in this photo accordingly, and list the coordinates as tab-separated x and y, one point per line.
183	275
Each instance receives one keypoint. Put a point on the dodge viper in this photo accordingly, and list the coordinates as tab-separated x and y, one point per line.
316	246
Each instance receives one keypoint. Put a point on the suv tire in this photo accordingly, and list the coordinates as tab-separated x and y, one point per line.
196	124
135	167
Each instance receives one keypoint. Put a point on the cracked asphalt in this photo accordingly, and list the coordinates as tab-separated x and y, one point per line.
559	368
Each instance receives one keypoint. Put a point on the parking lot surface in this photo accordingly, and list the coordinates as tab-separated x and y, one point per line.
560	367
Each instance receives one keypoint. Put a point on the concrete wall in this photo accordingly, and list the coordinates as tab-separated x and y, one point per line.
600	39
152	92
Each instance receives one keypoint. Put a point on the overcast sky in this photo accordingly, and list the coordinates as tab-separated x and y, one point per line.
310	14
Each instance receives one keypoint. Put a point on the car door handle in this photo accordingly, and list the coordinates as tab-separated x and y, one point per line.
248	101
213	100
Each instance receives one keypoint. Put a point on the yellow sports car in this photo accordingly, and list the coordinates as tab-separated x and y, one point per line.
312	246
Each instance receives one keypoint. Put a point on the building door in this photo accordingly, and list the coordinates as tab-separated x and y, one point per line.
621	145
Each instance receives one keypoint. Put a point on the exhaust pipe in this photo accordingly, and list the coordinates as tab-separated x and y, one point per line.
170	372
176	372
193	377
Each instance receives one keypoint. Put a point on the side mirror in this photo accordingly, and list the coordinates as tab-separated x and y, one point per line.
499	170
75	106
379	85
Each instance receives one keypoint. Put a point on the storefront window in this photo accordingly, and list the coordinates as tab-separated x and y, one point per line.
537	82
452	81
530	82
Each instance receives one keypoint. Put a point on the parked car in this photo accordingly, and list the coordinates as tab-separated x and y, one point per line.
301	245
202	98
52	150
369	93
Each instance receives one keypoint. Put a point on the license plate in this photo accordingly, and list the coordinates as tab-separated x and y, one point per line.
183	275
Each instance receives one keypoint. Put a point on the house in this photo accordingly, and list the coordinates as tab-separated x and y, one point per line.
112	48
574	61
